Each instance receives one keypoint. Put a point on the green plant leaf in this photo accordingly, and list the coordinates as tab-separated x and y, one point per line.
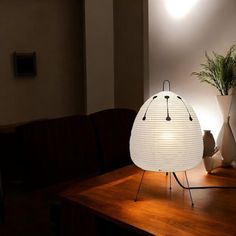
219	71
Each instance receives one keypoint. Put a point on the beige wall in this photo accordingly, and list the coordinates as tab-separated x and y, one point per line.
52	28
99	55
177	48
115	53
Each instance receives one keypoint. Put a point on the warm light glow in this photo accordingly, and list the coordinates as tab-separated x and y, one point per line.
179	8
209	120
166	135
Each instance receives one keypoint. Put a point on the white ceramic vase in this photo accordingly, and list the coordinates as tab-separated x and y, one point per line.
225	140
212	162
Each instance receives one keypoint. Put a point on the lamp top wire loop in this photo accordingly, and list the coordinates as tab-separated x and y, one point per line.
163	85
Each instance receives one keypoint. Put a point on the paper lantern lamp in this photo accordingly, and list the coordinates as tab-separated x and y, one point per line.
166	135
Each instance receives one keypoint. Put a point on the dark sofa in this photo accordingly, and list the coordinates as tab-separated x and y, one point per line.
80	146
53	152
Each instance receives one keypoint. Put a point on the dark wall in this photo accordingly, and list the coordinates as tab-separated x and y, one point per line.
54	30
129	46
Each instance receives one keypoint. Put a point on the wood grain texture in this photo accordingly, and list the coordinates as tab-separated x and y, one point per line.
158	210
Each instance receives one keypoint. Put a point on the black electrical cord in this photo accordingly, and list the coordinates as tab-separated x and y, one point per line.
202	187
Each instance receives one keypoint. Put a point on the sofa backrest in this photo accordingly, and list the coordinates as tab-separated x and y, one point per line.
58	149
61	149
112	130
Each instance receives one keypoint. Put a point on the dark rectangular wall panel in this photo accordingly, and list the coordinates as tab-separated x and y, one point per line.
129	53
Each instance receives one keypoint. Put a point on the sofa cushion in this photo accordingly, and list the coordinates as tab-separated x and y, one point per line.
112	129
58	150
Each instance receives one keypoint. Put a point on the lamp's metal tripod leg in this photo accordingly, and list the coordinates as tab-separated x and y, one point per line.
190	194
139	186
170	181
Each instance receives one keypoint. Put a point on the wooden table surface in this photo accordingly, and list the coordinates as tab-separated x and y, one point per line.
158	210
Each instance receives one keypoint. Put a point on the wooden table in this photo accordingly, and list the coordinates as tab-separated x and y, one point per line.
158	210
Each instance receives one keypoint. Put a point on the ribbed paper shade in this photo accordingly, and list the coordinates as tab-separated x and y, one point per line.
166	135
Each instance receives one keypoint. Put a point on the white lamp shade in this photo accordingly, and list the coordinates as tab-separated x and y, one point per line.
166	135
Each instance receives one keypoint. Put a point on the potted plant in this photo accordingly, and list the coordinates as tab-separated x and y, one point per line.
220	72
